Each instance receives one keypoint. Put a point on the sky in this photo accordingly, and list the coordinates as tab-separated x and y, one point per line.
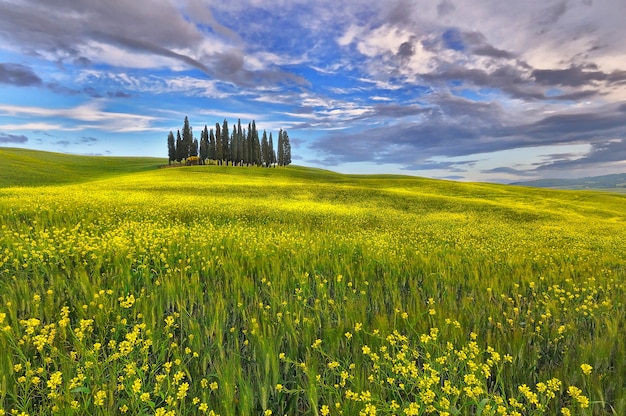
471	90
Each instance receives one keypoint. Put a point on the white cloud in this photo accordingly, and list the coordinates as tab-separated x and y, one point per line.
90	112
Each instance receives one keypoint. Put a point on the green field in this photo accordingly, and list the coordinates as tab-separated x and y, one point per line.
248	291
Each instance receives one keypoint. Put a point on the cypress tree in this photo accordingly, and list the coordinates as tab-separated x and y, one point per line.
286	149
219	149
233	147
225	138
193	150
271	150
180	148
187	137
171	148
257	146
211	153
204	145
280	151
248	146
265	152
239	142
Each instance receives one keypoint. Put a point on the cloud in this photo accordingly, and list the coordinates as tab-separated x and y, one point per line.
457	127
12	138
603	152
445	7
576	76
89	115
18	75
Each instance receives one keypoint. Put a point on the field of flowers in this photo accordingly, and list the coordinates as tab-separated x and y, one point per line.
214	290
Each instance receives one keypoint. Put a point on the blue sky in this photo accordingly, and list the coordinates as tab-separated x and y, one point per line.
484	90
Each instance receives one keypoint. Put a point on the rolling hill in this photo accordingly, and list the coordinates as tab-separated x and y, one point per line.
24	167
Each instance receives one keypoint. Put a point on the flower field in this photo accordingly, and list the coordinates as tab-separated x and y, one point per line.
215	290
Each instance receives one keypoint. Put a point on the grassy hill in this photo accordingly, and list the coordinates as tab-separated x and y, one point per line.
23	167
303	291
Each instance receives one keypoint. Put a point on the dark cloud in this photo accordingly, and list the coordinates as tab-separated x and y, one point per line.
445	7
508	170
18	75
82	61
551	14
12	138
118	94
479	45
575	76
88	140
141	45
406	50
507	78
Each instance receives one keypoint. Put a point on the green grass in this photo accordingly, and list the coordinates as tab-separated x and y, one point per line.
23	167
303	291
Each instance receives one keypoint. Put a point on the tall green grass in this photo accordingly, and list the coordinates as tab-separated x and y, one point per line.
299	291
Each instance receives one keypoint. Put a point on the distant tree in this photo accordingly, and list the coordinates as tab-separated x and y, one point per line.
204	145
234	147
171	148
248	146
240	141
193	150
211	153
219	149
256	145
286	149
187	136
271	150
225	139
280	153
265	150
180	148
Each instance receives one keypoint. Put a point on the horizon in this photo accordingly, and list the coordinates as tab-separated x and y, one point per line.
466	91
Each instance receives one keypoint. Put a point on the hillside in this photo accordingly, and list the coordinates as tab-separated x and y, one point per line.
238	290
613	183
24	167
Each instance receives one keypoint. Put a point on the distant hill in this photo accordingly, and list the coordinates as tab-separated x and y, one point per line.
24	167
614	183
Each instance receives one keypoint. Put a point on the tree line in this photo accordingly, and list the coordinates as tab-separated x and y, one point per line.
237	147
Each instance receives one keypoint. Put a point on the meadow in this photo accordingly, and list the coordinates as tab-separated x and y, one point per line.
250	291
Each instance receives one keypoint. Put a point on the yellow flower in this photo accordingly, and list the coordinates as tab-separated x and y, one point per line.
586	368
325	411
279	388
268	412
99	398
182	390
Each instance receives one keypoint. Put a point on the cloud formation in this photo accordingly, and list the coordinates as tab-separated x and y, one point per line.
12	138
434	88
18	75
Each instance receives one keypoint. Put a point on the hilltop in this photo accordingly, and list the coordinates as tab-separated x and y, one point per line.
24	167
